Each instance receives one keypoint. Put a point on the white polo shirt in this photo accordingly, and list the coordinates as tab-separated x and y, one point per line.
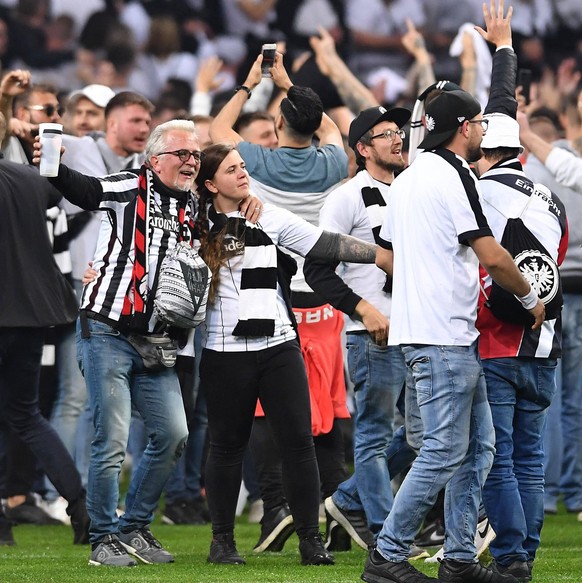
429	221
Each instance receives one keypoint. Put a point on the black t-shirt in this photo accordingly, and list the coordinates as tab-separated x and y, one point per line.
33	291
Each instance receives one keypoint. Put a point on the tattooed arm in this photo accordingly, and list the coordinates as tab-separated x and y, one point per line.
355	95
337	247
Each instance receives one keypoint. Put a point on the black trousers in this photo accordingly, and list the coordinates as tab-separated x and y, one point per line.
20	362
232	382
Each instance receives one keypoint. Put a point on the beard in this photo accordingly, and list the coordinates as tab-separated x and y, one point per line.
393	165
475	153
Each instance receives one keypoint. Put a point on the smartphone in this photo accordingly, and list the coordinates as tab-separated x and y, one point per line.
524	79
268	52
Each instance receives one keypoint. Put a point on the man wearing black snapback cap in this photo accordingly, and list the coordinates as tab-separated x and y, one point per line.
433	237
361	503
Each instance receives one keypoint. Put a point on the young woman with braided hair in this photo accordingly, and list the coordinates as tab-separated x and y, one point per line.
251	347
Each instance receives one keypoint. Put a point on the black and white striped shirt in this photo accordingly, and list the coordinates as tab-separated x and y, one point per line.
116	195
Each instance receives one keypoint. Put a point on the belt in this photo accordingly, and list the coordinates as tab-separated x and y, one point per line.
95	316
359	332
85	315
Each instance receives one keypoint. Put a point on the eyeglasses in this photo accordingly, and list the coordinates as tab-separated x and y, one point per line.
48	109
184	155
390	135
484	123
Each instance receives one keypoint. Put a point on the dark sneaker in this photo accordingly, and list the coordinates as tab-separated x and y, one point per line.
379	570
457	572
177	513
521	570
337	538
110	552
79	521
354	522
199	511
29	513
276	528
143	545
6	537
431	535
313	551
223	550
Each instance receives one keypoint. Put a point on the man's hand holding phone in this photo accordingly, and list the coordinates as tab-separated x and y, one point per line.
268	52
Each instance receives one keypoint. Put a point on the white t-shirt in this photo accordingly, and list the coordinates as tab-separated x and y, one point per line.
344	212
429	221
285	230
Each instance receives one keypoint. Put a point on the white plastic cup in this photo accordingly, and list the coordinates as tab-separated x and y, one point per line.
51	139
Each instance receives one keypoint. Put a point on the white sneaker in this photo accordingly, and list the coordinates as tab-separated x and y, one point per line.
56	509
485	534
483	537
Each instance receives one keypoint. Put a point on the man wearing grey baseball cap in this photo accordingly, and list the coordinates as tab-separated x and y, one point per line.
433	237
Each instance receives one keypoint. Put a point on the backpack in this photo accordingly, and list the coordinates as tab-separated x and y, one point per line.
537	267
183	284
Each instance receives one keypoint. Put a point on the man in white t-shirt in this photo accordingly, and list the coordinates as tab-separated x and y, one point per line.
434	236
361	503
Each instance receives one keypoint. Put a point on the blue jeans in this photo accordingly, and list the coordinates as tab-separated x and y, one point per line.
519	391
563	436
457	451
378	374
116	378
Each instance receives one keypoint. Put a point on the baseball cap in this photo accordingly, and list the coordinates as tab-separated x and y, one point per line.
368	118
502	132
98	94
444	114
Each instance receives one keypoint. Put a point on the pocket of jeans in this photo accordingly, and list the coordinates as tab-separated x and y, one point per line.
356	369
98	328
546	385
422	375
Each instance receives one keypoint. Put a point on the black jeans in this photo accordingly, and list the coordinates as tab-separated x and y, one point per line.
20	361
232	382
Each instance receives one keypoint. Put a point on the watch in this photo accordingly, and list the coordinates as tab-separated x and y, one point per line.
244	88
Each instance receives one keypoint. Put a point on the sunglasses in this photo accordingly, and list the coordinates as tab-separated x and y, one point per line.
184	155
48	109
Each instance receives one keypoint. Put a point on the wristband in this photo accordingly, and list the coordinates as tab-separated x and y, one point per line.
530	300
244	88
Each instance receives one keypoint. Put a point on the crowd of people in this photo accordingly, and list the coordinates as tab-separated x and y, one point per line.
378	180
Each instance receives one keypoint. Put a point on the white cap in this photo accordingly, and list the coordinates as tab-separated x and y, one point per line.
502	132
97	94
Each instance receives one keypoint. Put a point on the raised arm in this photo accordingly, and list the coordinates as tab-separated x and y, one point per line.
221	127
355	95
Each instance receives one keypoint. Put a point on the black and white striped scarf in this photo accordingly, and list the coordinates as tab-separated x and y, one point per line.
257	306
374	201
